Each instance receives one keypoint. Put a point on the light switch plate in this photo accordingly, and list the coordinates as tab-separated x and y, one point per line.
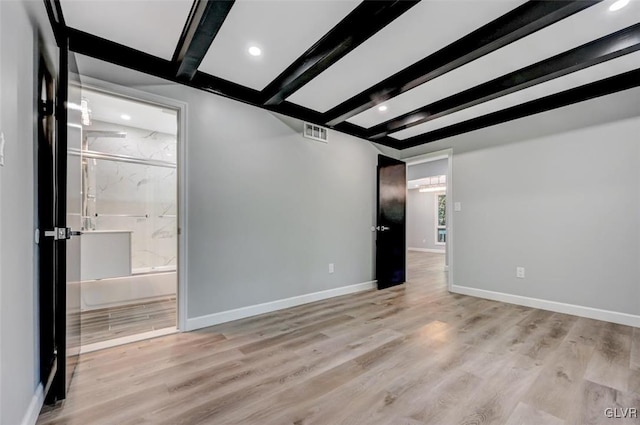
457	206
1	148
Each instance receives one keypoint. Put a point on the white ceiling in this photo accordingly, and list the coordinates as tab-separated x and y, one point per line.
108	108
588	25
424	29
283	30
152	26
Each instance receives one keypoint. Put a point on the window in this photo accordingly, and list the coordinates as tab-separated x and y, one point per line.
441	218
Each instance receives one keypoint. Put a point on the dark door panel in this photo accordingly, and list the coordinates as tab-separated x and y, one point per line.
390	234
59	220
45	196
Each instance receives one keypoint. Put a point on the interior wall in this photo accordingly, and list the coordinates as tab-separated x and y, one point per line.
1	184
421	221
565	206
19	35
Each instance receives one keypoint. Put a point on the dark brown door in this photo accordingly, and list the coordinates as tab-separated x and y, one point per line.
59	220
46	246
391	226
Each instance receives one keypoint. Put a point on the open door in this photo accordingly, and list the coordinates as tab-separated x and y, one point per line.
59	220
390	240
45	195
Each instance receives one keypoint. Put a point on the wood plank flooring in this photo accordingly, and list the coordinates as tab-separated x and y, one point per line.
408	355
115	322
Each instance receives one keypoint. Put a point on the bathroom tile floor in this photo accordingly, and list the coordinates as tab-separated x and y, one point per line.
116	322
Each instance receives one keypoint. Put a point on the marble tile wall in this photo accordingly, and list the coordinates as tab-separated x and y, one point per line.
149	193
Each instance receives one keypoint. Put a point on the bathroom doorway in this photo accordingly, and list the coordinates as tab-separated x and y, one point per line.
129	258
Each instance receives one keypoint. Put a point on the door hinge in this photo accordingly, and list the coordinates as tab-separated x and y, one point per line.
46	107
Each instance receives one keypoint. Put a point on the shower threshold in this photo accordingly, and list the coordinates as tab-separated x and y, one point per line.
113	326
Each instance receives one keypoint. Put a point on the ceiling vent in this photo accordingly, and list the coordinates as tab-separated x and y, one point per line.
315	132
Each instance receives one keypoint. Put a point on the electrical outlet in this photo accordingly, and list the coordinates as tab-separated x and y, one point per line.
520	272
331	268
457	206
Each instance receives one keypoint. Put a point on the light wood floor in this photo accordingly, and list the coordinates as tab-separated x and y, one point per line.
409	355
116	322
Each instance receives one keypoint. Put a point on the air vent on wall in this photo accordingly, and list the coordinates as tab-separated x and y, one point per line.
315	132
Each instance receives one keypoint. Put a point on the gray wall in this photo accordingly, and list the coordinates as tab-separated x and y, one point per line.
18	293
421	216
1	183
268	210
565	206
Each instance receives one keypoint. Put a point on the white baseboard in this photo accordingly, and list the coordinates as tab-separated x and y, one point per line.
254	310
33	411
576	310
433	251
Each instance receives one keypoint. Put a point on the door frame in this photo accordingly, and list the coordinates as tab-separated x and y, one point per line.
435	156
182	163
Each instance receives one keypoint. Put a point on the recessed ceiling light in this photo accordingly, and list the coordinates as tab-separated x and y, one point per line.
255	51
618	5
382	108
125	117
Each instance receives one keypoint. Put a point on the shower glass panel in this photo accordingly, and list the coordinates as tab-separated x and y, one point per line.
130	184
140	198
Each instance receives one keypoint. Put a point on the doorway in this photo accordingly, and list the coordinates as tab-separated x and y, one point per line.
129	288
429	218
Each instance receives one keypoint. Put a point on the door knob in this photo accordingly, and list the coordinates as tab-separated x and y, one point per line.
382	228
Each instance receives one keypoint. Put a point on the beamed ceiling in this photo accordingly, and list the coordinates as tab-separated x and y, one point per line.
398	73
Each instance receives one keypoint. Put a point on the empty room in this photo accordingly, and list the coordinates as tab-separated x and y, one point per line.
288	212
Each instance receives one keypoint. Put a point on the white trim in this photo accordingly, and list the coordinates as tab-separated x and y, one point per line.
434	156
254	310
576	310
434	251
141	95
126	340
33	411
